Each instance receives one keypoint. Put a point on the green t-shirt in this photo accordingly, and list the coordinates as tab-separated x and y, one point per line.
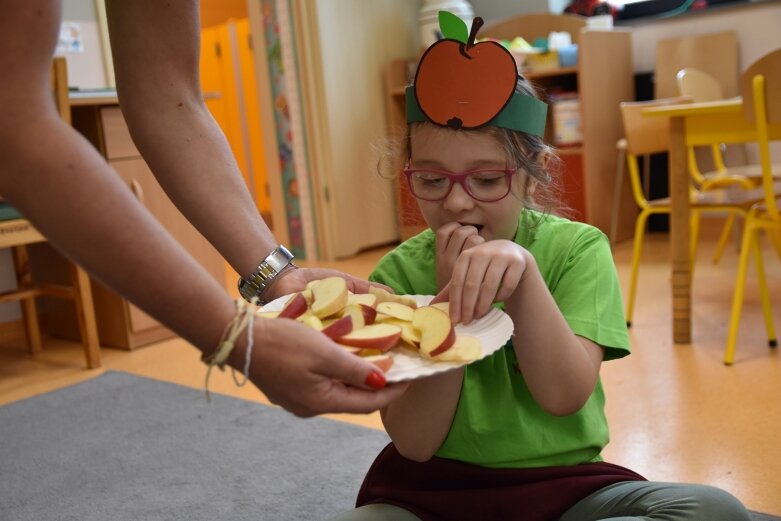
497	422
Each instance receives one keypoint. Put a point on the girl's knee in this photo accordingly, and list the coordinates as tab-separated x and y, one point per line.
716	504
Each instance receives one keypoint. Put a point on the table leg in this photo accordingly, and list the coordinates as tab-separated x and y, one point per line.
679	233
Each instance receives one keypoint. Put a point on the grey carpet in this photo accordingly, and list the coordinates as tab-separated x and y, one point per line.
120	447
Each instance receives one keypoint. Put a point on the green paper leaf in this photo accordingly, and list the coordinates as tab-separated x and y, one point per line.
452	27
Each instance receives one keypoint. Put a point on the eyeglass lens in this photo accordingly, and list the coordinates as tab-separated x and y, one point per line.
484	185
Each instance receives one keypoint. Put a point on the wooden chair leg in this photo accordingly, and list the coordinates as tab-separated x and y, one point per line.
85	312
29	310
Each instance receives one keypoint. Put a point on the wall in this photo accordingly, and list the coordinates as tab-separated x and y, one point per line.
757	26
495	10
86	68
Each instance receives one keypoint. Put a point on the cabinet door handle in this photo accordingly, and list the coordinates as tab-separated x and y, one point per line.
135	187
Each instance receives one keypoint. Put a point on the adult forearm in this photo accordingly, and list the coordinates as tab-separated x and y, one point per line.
194	164
559	368
155	46
74	198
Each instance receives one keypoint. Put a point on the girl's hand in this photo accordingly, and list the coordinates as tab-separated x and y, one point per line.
483	274
452	239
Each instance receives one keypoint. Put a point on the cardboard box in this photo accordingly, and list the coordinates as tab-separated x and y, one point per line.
566	122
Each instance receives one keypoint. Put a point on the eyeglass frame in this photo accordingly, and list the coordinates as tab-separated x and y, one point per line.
460	178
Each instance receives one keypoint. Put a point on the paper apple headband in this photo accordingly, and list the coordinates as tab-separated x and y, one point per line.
461	84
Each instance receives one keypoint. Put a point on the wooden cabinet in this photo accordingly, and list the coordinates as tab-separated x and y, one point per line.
121	324
603	77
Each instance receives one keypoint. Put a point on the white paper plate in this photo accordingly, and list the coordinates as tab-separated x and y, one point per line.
493	331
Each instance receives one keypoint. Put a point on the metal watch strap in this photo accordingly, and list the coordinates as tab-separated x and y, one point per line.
256	283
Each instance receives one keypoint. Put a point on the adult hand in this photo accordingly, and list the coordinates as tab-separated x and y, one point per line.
484	274
451	240
297	279
305	372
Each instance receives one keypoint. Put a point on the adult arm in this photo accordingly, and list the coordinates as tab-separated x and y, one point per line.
63	186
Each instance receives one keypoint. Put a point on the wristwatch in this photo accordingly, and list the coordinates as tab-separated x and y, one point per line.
269	269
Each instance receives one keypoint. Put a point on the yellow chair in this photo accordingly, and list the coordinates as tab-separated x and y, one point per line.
761	86
703	87
650	135
17	233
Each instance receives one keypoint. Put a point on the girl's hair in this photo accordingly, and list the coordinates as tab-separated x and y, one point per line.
527	151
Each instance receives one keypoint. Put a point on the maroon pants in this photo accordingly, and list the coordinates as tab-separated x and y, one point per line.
442	489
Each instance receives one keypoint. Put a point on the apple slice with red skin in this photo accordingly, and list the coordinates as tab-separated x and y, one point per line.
329	296
294	307
339	327
376	336
267	314
357	313
384	362
437	333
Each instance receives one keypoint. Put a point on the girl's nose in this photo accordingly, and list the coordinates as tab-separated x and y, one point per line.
458	200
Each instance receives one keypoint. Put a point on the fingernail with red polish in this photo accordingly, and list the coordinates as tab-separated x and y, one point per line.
376	380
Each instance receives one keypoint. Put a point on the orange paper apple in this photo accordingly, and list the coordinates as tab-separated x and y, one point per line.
463	84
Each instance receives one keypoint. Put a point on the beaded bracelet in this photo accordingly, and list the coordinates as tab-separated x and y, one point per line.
245	315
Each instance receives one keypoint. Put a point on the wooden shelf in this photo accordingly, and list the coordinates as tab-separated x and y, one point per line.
547	73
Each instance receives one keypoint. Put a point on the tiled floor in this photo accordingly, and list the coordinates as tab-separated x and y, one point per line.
676	412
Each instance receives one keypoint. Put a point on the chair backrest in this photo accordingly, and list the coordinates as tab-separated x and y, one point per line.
768	66
646	134
698	85
761	84
714	53
535	25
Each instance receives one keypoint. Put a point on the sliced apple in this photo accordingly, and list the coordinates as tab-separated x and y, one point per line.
369	314
384	362
340	327
395	310
294	307
408	332
356	312
444	306
376	336
310	320
465	349
329	296
386	296
267	314
362	298
437	333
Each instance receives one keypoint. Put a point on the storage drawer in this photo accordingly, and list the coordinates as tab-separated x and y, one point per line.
116	136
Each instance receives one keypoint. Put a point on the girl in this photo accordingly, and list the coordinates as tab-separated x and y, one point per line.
517	435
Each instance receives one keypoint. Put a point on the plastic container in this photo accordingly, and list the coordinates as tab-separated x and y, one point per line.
568	55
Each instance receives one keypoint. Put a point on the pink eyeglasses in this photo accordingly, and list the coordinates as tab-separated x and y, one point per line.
486	185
